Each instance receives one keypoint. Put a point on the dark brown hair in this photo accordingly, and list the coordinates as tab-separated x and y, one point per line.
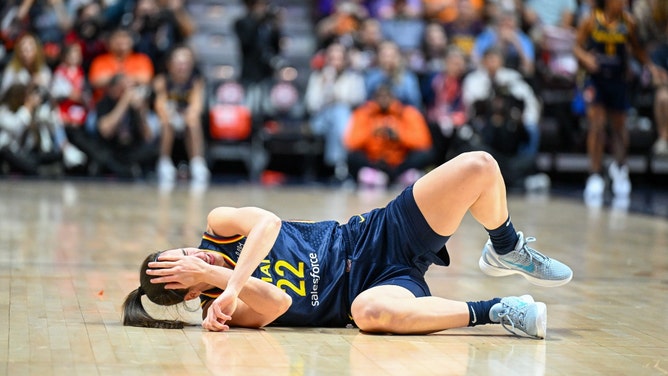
134	313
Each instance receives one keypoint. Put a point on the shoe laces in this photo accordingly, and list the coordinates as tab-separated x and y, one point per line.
512	314
532	253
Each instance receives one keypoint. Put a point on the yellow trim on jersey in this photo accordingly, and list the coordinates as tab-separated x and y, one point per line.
222	239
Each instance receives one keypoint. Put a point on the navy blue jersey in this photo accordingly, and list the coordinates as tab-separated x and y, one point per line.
609	43
323	266
308	262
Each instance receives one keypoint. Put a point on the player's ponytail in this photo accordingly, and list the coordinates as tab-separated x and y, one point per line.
134	313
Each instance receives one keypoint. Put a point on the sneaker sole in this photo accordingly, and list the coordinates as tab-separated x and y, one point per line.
541	320
499	272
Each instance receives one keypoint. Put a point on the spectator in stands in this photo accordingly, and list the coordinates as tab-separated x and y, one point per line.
47	20
387	141
179	104
184	22
121	59
391	69
448	11
27	65
342	24
386	9
405	27
127	142
20	144
159	29
555	13
652	16
87	32
429	59
259	35
518	135
28	69
463	30
364	51
71	95
31	134
602	49
551	25
445	105
331	94
11	24
505	33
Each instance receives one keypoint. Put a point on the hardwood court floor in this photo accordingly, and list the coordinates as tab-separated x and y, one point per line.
69	253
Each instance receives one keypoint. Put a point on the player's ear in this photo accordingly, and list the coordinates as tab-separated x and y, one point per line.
192	294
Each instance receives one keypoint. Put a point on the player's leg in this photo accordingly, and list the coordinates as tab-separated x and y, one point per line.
661	119
595	186
473	182
469	182
618	170
394	309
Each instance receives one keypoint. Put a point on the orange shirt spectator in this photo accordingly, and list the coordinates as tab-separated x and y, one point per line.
445	11
119	60
387	130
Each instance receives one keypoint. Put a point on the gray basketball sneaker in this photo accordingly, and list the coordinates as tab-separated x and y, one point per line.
525	261
521	313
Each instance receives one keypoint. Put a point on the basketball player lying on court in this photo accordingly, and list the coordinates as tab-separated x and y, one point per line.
368	272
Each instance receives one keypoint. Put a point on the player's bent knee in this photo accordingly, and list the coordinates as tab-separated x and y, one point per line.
481	164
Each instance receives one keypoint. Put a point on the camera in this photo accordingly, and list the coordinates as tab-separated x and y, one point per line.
42	93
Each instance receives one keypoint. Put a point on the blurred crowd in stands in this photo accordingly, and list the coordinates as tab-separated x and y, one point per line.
391	87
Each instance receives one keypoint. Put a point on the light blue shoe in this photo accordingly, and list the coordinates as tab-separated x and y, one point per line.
525	261
521	313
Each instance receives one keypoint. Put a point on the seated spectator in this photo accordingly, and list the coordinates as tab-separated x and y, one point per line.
555	13
445	105
391	69
507	114
121	59
183	20
331	95
47	20
71	95
158	29
387	142
448	11
652	17
341	25
364	51
385	9
127	143
179	104
20	145
551	24
30	133
27	65
87	32
463	30
428	61
504	33
405	27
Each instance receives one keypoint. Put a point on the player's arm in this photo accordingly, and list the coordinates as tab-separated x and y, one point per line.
261	228
584	57
258	304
